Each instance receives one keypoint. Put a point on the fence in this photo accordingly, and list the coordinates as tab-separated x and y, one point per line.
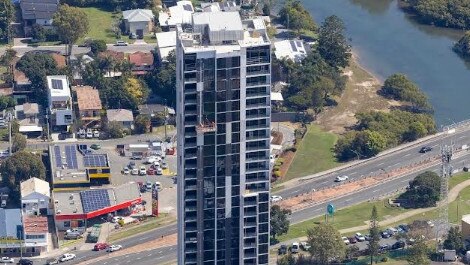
286	116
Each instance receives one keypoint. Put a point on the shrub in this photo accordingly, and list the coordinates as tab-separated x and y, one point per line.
277	173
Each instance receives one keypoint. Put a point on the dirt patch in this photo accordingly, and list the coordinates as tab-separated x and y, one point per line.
288	157
277	137
360	95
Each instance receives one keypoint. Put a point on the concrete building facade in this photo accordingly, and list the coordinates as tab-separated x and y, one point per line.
223	123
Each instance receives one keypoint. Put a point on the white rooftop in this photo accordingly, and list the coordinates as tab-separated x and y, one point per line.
138	15
290	49
276	96
35	185
179	14
466	218
166	39
58	86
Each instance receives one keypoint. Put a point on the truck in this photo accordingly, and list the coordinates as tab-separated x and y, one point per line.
94	234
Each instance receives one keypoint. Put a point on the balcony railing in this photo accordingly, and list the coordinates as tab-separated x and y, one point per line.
206	126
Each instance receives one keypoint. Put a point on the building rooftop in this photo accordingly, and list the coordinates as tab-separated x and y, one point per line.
290	49
33	185
90	203
58	86
109	53
138	15
10	220
220	6
27	116
88	98
120	115
150	109
38	9
20	77
35	225
141	58
30	108
179	14
166	39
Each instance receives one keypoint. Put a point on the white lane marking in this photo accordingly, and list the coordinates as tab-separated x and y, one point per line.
324	182
380	164
353	173
375	191
296	191
159	252
404	180
149	255
347	200
406	155
461	137
397	164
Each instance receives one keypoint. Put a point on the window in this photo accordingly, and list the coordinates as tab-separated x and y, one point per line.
35	236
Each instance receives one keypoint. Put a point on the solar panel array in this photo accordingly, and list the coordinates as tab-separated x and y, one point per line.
93	200
57	84
58	157
95	160
71	157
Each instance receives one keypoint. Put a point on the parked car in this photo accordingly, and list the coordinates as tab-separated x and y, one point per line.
126	171
114	248
158	186
305	246
7	260
25	262
150	171
100	246
67	257
345	240
164	165
142	171
134	171
148	185
89	133
384	247
392	230
282	250
276	198
131	165
96	134
159	171
52	261
295	247
121	43
151	160
95	146
404	227
352	240
367	237
73	235
399	244
360	237
425	149
132	36
384	234
341	178
116	219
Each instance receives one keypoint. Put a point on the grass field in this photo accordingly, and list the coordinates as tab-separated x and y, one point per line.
358	214
100	23
314	155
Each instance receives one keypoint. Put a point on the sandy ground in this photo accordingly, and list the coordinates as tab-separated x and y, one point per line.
360	95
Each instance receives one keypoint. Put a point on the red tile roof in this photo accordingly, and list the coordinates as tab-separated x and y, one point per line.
37	224
141	58
108	53
88	98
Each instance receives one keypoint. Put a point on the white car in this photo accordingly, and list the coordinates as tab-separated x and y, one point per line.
67	257
113	248
164	165
159	171
360	237
156	164
151	160
143	171
116	219
341	178
7	260
158	186
295	247
276	198
305	245
96	134
126	171
135	171
392	230
89	133
121	43
345	240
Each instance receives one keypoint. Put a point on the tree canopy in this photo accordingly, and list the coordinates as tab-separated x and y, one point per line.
418	253
399	87
71	24
423	190
162	80
454	240
279	221
21	166
462	47
326	244
18	142
442	13
374	232
294	16
7	12
332	44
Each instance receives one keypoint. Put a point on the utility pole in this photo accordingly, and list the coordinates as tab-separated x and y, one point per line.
166	118
446	173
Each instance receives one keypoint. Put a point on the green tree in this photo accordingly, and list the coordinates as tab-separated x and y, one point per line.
6	102
415	131
288	259
137	90
71	24
7	58
162	80
442	13
374	232
18	142
418	253
294	16
114	130
352	252
423	190
279	221
454	239
462	47
97	46
141	124
7	12
332	44
21	166
399	87
326	243
38	33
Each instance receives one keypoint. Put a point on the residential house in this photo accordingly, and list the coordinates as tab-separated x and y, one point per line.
35	196
89	105
37	12
36	234
290	49
27	116
225	6
83	60
166	42
142	62
11	227
174	15
152	110
60	102
122	116
115	56
21	86
138	21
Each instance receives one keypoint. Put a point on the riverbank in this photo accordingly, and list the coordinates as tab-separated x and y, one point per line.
360	95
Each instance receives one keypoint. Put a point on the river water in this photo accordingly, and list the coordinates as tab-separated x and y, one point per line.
389	41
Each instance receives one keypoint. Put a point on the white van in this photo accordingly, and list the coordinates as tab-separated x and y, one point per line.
295	247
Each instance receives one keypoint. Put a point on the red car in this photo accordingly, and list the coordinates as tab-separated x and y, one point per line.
150	171
100	246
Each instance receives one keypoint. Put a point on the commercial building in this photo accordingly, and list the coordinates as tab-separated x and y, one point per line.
74	207
60	102
223	122
74	166
175	15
